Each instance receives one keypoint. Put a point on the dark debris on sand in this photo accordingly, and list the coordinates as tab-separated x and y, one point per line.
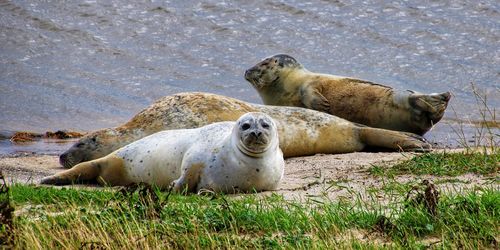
23	136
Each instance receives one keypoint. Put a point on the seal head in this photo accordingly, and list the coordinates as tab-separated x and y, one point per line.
78	152
269	70
255	133
90	147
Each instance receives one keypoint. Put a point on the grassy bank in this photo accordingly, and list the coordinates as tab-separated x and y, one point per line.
51	218
411	214
137	221
445	164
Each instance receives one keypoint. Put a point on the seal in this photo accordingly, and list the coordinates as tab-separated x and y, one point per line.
224	157
281	80
301	131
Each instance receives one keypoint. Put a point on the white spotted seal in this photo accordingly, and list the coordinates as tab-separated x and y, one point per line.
302	131
281	80
223	157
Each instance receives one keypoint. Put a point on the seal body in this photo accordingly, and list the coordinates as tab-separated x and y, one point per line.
281	80
223	157
301	131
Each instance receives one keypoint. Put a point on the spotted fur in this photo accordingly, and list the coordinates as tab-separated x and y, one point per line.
223	157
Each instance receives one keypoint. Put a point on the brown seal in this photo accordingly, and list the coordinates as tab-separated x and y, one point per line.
301	131
281	80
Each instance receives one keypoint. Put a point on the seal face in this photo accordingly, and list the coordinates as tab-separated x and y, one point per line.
269	70
86	144
255	133
301	131
282	80
224	157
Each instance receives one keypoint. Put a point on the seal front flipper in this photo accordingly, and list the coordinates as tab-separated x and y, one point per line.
189	179
84	171
311	98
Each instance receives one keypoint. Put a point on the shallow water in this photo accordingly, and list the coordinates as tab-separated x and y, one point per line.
44	146
85	65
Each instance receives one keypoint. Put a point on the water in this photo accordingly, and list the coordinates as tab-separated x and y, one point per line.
85	65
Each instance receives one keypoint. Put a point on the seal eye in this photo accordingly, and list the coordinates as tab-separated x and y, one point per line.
245	126
265	125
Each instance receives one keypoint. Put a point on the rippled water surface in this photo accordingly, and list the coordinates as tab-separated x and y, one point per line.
85	65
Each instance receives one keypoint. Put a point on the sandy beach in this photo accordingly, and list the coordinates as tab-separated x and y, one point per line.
333	176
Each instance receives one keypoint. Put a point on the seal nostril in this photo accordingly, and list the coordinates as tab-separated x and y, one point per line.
63	157
256	134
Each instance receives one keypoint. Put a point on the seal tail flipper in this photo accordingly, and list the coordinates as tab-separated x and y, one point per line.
84	171
433	105
395	140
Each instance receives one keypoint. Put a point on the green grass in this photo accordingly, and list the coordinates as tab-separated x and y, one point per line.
63	196
52	218
444	164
